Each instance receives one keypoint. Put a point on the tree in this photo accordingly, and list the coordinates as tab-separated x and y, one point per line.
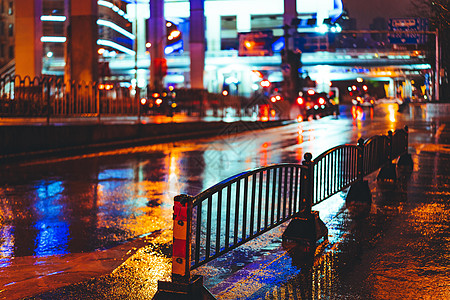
438	14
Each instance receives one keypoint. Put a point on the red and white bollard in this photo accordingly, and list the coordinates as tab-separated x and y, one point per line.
181	253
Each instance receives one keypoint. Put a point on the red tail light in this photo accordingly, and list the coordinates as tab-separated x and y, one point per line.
321	101
300	100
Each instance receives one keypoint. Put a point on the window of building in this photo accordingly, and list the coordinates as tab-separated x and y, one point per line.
2	8
268	22
11	52
2	50
10	8
10	30
2	28
228	32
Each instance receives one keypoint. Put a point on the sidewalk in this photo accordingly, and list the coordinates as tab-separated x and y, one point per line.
75	135
395	248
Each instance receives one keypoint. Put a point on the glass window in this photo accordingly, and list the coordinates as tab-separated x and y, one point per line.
10	8
10	30
228	33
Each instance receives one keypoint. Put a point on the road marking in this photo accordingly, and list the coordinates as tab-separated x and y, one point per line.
439	131
440	148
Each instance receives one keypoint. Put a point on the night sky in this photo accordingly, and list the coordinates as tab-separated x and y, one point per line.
364	11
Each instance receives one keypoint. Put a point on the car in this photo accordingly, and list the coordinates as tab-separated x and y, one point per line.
159	103
315	104
364	100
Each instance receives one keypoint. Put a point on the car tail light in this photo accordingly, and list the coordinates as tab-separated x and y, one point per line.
300	100
158	101
143	101
321	101
273	99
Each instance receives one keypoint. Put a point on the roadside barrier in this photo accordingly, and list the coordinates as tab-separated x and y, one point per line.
51	96
246	205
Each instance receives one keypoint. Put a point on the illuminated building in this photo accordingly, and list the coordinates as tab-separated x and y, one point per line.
123	27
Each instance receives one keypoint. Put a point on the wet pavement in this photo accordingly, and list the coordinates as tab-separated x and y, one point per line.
396	248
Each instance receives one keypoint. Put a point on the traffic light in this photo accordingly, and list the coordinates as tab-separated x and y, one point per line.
293	60
161	66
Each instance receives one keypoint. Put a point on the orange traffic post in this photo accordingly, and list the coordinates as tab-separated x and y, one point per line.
181	253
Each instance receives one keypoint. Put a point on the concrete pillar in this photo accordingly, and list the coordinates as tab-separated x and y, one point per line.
157	36
28	32
290	13
213	33
246	81
197	43
243	22
82	36
139	13
392	90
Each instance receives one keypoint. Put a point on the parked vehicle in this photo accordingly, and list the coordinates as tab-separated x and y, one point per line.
163	103
365	100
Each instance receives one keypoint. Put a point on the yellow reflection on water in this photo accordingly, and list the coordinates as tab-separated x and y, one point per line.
391	112
139	275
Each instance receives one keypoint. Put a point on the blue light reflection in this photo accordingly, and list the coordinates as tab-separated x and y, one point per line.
51	224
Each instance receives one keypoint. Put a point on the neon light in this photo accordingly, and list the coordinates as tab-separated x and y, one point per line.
116	28
115	46
105	3
53	39
114	8
53	18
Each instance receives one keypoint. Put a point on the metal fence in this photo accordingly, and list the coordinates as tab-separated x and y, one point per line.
248	204
51	96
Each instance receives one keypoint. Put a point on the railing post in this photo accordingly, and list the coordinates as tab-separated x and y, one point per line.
306	182
407	138
48	100
389	146
388	173
405	163
306	226
97	97
360	160
360	190
181	253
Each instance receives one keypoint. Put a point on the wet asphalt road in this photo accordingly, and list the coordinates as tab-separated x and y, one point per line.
96	201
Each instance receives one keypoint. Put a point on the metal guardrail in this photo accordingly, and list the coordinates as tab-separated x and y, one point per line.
248	204
53	97
242	207
333	171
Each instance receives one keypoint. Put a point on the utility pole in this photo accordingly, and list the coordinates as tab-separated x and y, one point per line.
436	73
291	63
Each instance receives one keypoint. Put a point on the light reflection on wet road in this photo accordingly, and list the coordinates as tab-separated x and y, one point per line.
79	204
95	201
